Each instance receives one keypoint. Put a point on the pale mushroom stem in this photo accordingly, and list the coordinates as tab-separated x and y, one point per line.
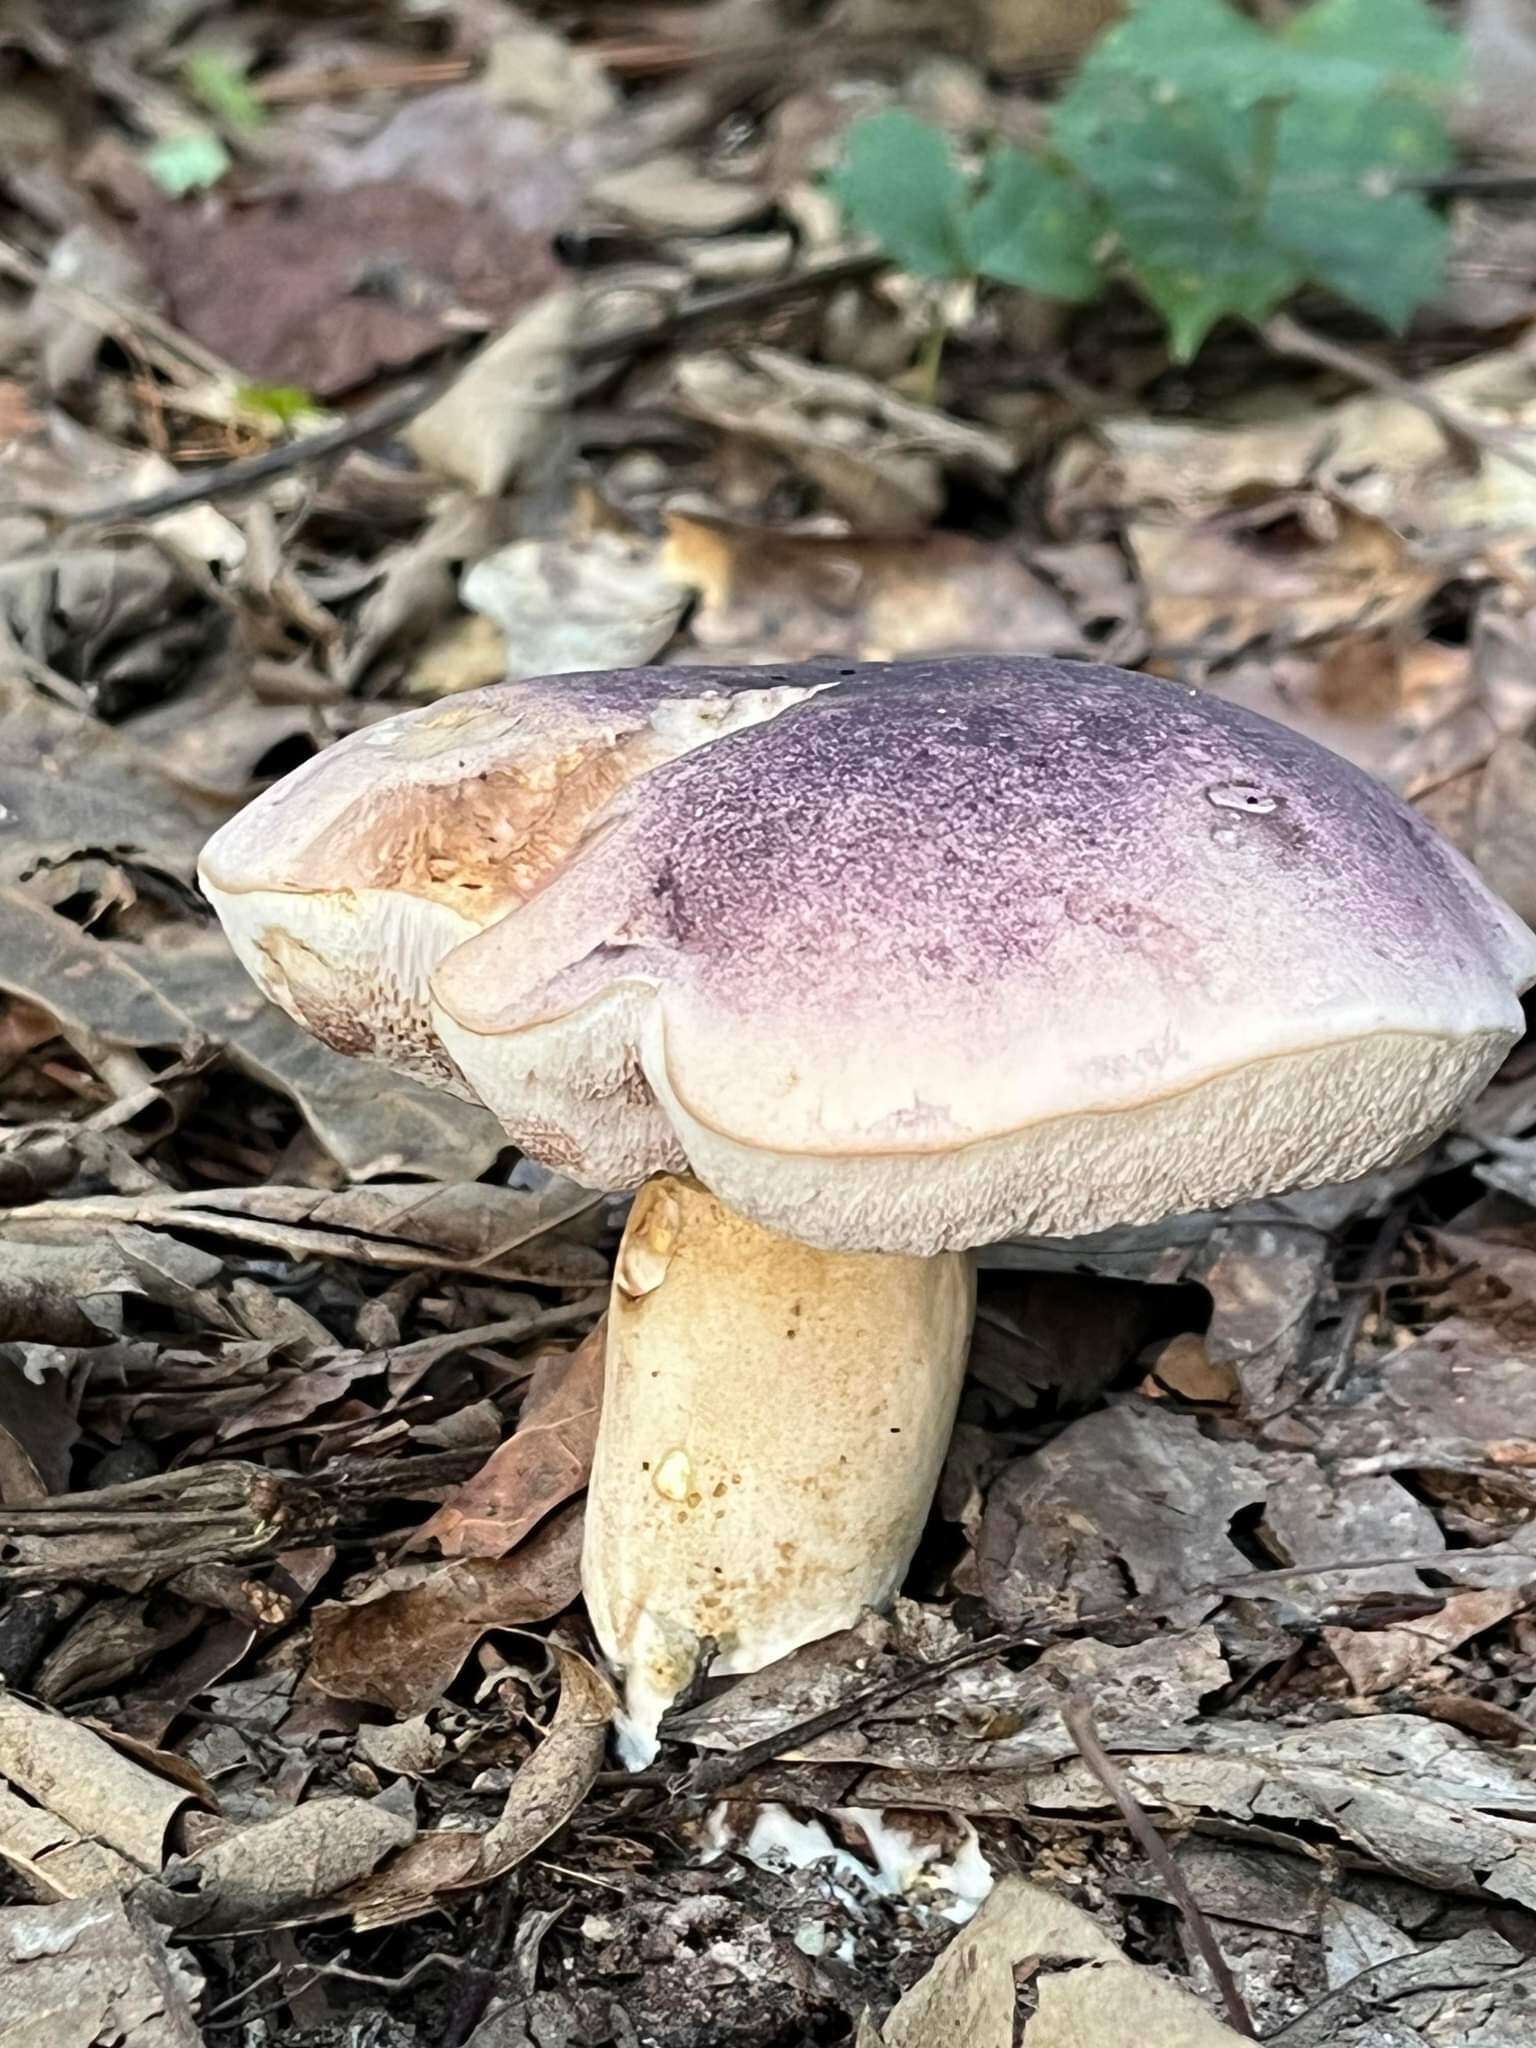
774	1420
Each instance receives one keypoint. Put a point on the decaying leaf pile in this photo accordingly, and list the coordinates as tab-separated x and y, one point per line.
353	356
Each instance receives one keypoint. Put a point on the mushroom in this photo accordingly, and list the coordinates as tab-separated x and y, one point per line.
872	966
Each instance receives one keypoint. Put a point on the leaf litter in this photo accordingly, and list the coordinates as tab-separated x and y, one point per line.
300	1365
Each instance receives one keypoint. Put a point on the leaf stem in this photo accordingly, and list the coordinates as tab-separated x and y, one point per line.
930	360
1266	146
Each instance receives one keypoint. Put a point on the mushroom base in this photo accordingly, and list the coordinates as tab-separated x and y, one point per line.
774	1420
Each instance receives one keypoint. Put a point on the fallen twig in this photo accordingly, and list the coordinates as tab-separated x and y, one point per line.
229	478
1340	1353
1077	1718
1462	430
713	1774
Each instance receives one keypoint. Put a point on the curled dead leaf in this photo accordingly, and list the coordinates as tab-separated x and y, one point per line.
401	1644
872	600
545	1461
542	1797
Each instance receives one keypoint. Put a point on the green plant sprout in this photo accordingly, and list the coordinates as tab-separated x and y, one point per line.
194	157
285	405
220	84
189	161
1218	163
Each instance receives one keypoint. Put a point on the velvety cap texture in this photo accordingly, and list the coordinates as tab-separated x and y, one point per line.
918	956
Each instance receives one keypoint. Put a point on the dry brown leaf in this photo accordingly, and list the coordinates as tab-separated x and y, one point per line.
419	584
324	320
189	992
54	1860
1460	1391
371	1121
1100	2008
981	1717
93	1973
1367	696
411	1749
289	1868
506	408
112	1641
808	594
87	1783
1184	1366
1503	832
1494	113
547	1460
570	604
669	194
1264	1280
1213	590
500	1232
1383	458
463	653
877	458
467	145
1131	1493
1376	1660
401	1644
1420	1800
528	66
91	989
542	1797
970	1994
70	784
1040	35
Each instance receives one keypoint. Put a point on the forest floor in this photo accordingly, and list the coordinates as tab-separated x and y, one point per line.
351	356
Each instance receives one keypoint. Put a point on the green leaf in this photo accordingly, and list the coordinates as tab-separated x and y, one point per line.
286	403
1035	226
1332	201
187	162
901	184
1183	186
1181	48
219	83
1237	165
1234	163
1385	254
1398	43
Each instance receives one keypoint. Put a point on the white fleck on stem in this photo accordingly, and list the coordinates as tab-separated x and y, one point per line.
774	1420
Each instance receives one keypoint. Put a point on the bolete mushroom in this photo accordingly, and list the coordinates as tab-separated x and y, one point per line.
855	969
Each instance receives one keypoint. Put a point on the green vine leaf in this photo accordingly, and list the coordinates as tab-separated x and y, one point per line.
901	184
1223	164
1036	226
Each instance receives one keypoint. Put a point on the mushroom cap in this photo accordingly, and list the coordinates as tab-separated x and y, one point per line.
941	952
343	885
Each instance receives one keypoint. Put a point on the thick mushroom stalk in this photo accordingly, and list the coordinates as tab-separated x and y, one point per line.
774	1420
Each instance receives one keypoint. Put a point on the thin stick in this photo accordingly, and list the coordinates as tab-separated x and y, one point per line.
231	477
713	1774
392	412
1462	429
1077	1716
1475	184
730	299
1341	1352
